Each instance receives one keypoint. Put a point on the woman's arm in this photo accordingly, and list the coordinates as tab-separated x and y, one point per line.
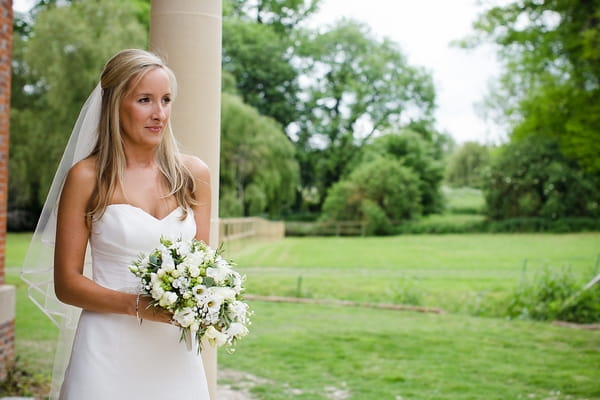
72	234
201	175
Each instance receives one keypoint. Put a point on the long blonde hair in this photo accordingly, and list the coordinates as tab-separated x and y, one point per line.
120	75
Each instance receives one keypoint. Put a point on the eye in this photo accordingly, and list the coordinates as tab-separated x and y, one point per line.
166	99
144	100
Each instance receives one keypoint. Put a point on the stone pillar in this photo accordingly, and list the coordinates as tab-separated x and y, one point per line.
187	33
7	292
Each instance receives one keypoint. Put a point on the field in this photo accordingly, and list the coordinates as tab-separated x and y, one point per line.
300	351
459	273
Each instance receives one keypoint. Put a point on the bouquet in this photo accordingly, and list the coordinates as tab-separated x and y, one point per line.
199	287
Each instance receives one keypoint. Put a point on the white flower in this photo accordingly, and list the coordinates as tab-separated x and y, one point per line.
196	258
168	264
237	329
203	299
157	291
168	299
182	248
214	303
194	270
237	310
180	283
200	293
218	274
185	317
226	293
215	337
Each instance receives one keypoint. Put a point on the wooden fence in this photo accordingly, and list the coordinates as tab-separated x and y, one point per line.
235	233
326	228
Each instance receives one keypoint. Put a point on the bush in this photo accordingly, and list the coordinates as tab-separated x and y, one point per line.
417	154
555	294
531	178
377	193
467	164
460	224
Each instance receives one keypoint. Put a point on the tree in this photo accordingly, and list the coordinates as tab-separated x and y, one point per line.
416	154
260	40
467	164
284	15
531	178
356	87
379	192
260	60
55	69
551	83
258	170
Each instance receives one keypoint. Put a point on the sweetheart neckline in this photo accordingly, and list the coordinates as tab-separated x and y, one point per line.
144	211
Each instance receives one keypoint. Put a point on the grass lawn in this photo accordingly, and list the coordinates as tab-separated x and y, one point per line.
310	352
460	273
304	351
463	199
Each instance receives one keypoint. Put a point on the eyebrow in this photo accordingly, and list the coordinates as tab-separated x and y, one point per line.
150	94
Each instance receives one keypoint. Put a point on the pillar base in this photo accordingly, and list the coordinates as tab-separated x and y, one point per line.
7	328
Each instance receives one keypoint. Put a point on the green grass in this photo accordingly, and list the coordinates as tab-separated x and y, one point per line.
463	199
36	336
300	351
455	219
455	272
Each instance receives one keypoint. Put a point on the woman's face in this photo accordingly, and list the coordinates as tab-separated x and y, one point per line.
146	109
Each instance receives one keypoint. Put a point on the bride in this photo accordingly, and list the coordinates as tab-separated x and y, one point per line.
131	187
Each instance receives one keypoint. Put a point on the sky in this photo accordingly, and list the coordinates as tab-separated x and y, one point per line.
424	30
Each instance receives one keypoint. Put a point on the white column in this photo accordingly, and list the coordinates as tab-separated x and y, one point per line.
187	33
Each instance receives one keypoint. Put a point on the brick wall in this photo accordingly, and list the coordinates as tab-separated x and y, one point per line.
7	313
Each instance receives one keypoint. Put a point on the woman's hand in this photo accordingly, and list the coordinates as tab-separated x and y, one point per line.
145	311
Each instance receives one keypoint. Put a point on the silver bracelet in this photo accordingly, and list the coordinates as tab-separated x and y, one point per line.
137	309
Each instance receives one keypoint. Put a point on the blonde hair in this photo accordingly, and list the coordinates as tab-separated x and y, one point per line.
120	75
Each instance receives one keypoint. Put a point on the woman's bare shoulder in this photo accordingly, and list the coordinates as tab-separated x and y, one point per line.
79	186
82	175
84	170
196	166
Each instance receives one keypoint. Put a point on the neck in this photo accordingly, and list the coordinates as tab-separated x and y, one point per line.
140	157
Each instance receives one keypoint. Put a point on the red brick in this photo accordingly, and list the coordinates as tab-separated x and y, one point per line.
7	330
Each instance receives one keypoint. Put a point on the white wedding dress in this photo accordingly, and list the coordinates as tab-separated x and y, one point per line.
113	356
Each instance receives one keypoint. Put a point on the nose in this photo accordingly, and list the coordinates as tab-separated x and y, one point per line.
159	113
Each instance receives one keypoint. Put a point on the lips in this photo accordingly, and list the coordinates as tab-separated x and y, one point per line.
155	129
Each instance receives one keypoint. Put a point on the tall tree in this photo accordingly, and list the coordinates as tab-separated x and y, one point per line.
356	86
466	166
284	15
260	60
551	84
259	173
260	40
416	154
56	67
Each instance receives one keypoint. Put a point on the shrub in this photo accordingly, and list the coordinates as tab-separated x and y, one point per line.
417	154
466	165
555	294
531	178
377	193
460	224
